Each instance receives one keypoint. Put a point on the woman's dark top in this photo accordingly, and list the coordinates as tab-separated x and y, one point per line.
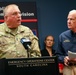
44	52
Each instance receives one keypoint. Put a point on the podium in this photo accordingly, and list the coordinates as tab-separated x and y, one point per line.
29	66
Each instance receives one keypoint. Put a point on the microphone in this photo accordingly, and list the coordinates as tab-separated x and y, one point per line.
26	43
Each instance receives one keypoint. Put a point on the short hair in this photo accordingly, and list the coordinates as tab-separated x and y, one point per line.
72	11
6	8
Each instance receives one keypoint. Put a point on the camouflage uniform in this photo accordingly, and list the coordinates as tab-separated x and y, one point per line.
10	45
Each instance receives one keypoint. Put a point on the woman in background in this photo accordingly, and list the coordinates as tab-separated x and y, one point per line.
49	51
48	46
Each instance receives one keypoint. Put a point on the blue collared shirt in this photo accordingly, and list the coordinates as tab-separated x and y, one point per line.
67	41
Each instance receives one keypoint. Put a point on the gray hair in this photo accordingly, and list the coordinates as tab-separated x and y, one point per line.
7	7
72	11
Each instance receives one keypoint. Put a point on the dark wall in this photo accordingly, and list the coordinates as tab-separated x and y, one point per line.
52	16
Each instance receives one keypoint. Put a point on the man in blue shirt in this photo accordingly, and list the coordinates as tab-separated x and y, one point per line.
67	42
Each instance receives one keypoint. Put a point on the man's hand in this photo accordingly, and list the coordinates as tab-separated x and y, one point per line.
66	60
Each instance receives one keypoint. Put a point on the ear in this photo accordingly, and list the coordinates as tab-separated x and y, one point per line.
5	17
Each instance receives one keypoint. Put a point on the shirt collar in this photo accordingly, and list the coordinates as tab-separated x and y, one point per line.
73	34
8	30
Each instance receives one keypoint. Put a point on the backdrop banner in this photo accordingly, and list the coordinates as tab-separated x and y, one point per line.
28	12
